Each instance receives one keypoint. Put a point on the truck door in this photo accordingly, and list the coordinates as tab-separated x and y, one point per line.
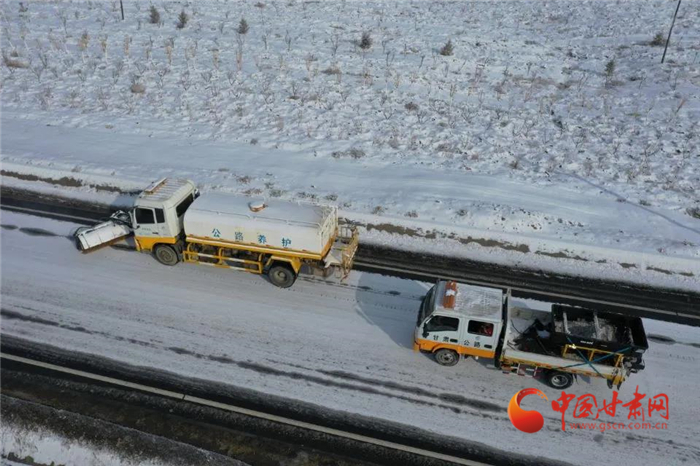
442	329
150	222
481	335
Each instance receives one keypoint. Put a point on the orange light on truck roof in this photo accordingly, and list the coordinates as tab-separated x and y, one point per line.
450	298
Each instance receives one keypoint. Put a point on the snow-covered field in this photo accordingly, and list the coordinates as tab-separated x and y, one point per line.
520	137
345	347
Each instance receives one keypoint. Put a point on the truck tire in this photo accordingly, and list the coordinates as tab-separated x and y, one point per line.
446	357
559	380
281	275
166	255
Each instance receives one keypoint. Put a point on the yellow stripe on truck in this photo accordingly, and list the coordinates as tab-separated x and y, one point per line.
265	249
147	243
431	346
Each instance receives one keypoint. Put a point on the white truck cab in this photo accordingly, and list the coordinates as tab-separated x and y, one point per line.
157	217
465	323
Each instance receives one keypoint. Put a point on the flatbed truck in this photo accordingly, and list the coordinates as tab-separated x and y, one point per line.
544	340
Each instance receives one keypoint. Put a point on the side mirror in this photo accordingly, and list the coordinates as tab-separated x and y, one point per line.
425	334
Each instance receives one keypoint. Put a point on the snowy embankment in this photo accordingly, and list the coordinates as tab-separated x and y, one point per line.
37	435
343	347
551	138
625	261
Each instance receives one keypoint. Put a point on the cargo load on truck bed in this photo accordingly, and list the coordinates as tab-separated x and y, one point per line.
547	339
599	330
273	223
581	330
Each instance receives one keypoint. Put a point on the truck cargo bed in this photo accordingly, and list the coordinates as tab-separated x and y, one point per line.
520	348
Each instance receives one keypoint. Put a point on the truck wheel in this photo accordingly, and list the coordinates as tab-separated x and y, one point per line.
281	275
166	255
559	380
446	357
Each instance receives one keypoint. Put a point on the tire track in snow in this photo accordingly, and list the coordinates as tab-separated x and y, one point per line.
449	397
295	375
457	402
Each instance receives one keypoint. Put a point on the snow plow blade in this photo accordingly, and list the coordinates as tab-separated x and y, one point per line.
117	228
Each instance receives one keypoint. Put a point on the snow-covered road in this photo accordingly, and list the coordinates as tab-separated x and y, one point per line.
345	347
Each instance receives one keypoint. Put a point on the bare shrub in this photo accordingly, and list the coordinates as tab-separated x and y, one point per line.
243	27
74	98
215	58
127	45
658	40
448	49
136	86
411	107
365	41
609	71
153	16
103	98
185	80
182	20
693	212
13	63
45	98
84	41
239	57
38	70
354	153
335	43
160	76
378	210
332	70
103	45
288	39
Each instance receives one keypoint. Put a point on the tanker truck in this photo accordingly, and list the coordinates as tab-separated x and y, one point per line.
551	341
171	221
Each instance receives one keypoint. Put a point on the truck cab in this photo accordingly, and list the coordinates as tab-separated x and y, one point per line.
456	323
157	217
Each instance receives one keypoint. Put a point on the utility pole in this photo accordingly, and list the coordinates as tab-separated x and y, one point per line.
668	39
122	7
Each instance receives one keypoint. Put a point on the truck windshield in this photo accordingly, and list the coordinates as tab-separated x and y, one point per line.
182	207
426	307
